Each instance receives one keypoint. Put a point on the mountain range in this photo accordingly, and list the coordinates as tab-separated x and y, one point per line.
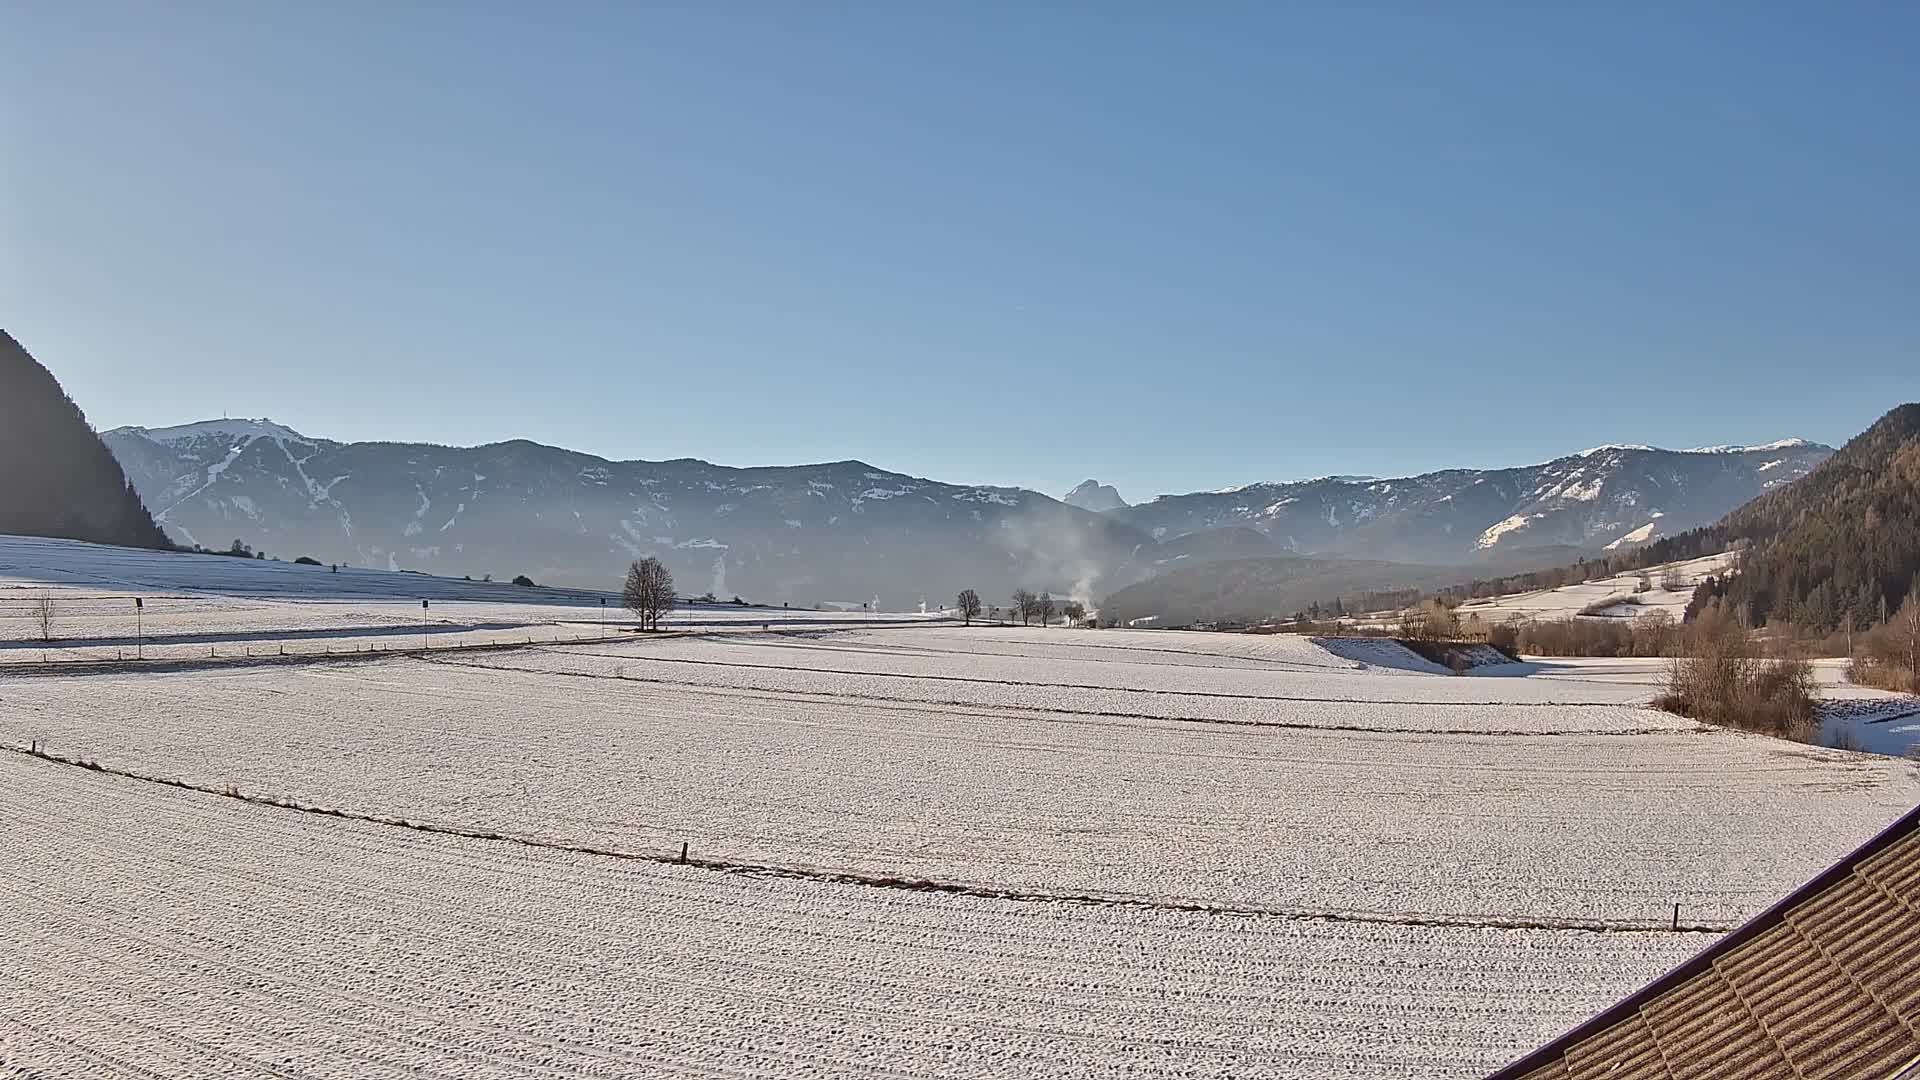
843	532
849	532
1606	497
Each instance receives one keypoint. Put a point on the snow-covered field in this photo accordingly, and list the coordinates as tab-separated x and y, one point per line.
159	933
196	606
917	850
1078	767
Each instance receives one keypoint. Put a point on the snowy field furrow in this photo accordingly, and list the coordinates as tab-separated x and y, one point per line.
800	664
258	943
1545	822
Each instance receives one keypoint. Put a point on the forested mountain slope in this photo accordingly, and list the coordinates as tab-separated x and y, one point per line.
1841	544
56	477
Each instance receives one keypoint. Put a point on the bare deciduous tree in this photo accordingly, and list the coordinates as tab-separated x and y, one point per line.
1891	651
1045	608
1074	610
1653	633
648	592
969	605
42	615
1023	603
1907	630
1432	620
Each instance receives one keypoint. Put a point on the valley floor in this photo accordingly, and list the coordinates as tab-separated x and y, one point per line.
215	607
920	850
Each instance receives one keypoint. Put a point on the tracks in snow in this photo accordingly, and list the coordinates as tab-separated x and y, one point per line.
1212	694
978	890
1100	714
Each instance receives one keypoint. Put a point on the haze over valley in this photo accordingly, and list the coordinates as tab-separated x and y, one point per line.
850	531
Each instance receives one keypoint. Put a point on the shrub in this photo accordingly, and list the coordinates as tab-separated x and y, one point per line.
1434	620
523	581
1868	671
1575	637
1654	633
1505	637
1719	678
306	560
1600	606
1890	654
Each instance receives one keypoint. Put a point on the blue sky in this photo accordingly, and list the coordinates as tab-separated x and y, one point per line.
1169	246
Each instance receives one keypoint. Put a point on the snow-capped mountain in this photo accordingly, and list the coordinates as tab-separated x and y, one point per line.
841	532
847	531
1095	496
1606	497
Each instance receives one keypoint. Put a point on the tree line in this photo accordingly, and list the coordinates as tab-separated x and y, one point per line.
1027	606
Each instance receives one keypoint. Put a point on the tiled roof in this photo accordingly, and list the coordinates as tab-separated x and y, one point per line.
1824	985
